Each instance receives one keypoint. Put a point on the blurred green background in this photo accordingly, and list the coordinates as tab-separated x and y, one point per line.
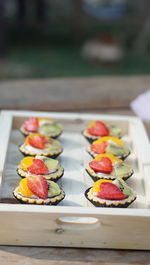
46	40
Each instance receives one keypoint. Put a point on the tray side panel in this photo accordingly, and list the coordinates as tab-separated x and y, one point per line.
115	232
6	126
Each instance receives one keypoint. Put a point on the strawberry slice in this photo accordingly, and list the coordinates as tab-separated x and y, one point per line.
104	165
31	125
99	148
110	191
37	141
99	129
38	167
38	186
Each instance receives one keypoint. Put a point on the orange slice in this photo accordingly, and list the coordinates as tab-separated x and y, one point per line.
96	186
46	119
23	188
106	138
111	157
92	124
26	162
30	136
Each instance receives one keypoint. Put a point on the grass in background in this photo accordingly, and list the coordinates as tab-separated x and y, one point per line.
34	56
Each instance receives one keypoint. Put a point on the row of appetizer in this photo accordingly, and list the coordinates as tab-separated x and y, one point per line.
39	169
108	169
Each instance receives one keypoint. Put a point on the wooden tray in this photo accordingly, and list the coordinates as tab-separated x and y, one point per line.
74	222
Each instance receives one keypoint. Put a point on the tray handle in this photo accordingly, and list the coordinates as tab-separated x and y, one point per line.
77	223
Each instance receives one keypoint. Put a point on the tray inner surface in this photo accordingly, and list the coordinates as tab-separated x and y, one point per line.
74	160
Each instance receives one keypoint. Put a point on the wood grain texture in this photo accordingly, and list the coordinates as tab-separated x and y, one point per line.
72	93
107	231
17	259
20	95
66	256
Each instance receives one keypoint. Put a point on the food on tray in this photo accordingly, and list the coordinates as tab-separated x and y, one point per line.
40	165
107	166
108	193
44	126
98	129
109	145
42	145
38	190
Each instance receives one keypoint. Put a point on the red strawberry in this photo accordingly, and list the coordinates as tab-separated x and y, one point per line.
31	125
38	167
110	191
99	129
38	186
104	165
99	148
38	141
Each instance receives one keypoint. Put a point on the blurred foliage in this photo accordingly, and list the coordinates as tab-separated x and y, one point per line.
53	49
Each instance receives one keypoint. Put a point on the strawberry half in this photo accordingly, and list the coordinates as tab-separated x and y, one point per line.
99	148
99	129
104	165
31	125
38	167
37	141
38	186
110	191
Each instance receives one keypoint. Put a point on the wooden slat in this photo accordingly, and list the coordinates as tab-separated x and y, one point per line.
73	93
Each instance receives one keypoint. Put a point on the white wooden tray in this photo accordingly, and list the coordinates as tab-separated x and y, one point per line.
74	222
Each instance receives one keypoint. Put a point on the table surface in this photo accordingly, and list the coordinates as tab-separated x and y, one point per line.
101	95
73	94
